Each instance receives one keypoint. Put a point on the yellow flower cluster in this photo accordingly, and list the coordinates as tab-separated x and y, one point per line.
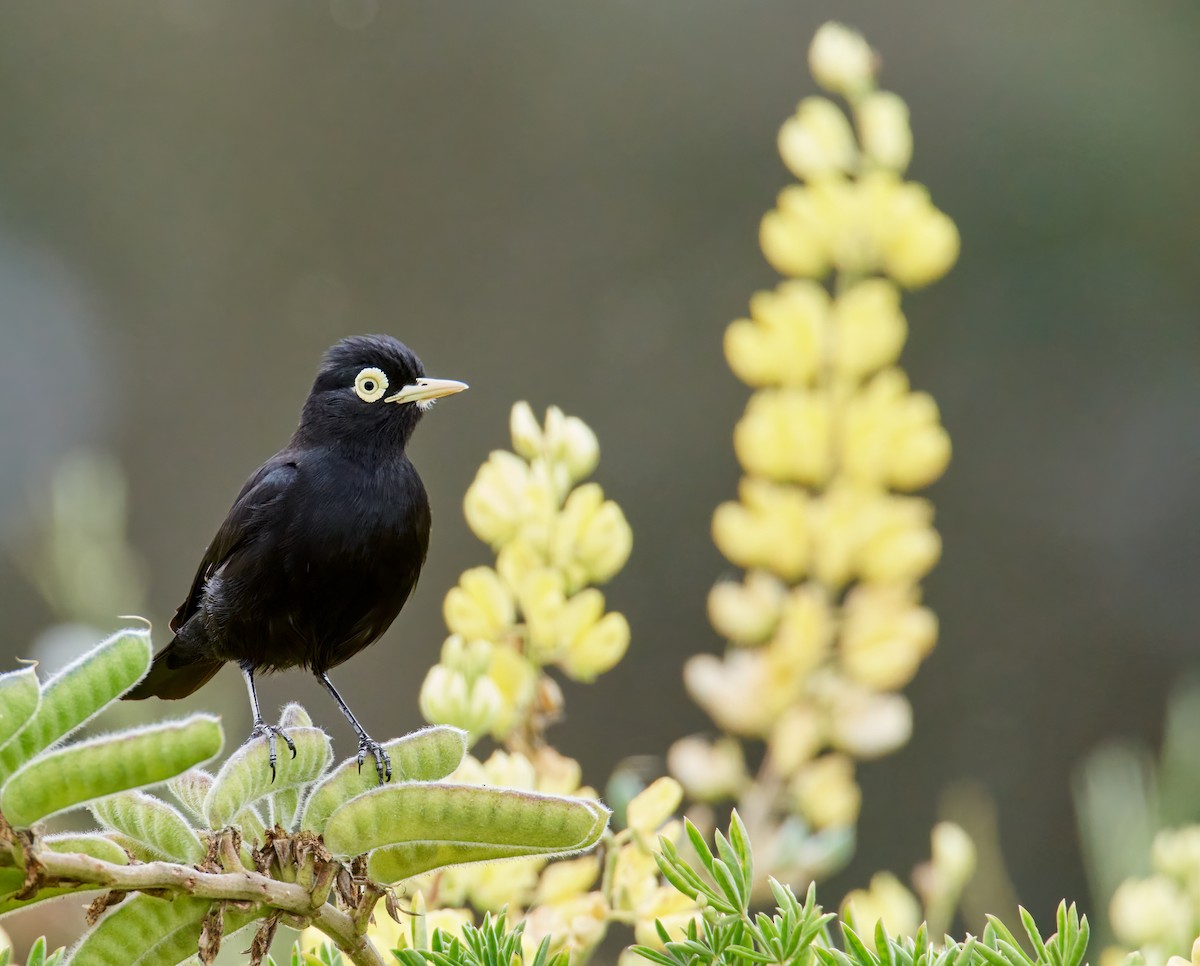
827	623
1159	915
554	538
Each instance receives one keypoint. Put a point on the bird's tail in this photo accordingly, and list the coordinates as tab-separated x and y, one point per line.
172	678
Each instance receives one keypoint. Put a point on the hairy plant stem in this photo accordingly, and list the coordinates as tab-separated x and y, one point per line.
243	886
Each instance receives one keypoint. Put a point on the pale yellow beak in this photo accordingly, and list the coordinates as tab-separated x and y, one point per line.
426	390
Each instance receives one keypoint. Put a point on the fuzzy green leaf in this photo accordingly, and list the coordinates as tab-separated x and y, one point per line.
152	822
191	788
80	773
19	698
87	843
423	756
246	775
146	931
468	815
79	692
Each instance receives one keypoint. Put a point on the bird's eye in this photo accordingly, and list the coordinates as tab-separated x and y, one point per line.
370	384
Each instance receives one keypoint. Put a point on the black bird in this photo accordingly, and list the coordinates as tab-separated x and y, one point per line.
323	545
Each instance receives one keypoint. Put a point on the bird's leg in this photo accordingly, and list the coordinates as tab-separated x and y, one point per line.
383	764
261	729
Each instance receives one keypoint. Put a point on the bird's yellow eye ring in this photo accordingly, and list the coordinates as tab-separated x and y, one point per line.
370	384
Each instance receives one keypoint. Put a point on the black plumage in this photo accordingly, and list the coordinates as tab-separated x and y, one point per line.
323	545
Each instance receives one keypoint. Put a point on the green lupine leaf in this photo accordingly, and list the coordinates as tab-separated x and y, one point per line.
423	756
246	775
153	822
88	843
285	801
147	931
10	905
19	698
79	692
472	815
191	788
81	773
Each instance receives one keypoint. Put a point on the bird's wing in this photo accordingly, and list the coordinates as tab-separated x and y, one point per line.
264	490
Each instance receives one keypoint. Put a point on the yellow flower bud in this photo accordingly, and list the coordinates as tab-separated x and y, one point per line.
768	529
785	436
510	770
884	130
795	235
826	792
592	539
891	436
556	773
480	606
781	344
1176	852
741	693
515	680
805	632
510	497
668	906
840	60
604	543
575	925
817	140
516	562
710	771
578	448
953	854
885	635
1150	911
635	878
923	249
526	433
870	329
903	546
795	739
652	806
542	599
567	879
748	612
887	901
867	724
598	649
448	698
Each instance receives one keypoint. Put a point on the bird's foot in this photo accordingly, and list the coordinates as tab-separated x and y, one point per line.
383	764
263	730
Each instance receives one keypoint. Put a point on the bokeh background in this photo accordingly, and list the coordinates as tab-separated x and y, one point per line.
559	202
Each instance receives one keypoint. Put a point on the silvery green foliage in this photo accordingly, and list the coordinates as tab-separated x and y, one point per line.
731	934
416	823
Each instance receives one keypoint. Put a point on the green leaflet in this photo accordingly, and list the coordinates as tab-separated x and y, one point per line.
286	801
96	845
393	863
80	773
10	905
78	692
152	822
246	775
145	931
469	815
191	788
19	698
423	756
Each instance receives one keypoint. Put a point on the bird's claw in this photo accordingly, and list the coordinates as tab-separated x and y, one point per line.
263	730
383	764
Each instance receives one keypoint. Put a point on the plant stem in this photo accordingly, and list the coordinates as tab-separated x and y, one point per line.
243	886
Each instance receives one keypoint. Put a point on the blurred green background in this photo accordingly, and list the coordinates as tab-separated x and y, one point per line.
559	202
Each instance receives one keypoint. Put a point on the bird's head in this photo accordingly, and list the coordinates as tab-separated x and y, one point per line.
371	388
